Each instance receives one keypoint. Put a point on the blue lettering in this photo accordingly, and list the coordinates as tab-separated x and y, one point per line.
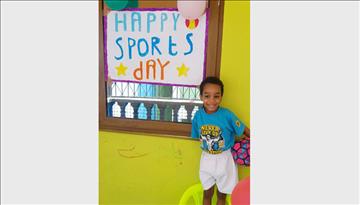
188	39
146	46
164	17
154	42
117	22
135	18
176	18
131	44
170	47
121	49
150	18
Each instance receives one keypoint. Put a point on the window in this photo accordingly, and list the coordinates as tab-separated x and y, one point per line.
152	102
150	108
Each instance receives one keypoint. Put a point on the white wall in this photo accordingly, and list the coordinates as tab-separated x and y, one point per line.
304	102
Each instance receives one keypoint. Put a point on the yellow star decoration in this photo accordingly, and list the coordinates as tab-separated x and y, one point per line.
182	70
121	69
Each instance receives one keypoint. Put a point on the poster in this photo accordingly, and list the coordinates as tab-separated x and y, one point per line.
155	46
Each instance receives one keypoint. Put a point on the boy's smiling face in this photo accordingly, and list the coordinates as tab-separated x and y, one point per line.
211	97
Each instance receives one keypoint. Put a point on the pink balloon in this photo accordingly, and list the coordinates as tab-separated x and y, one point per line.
241	193
191	9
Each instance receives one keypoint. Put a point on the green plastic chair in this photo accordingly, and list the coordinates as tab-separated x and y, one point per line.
195	192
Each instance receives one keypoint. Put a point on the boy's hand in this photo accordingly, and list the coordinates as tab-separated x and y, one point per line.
247	132
239	138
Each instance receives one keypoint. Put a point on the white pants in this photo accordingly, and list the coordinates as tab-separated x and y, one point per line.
219	169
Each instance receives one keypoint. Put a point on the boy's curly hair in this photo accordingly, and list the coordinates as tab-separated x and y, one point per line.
212	80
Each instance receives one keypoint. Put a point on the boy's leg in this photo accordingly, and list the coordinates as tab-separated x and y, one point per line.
221	197
208	196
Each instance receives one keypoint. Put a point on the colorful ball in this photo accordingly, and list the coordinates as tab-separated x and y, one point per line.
241	152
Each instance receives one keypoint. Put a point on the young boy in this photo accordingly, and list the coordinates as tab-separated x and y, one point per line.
216	127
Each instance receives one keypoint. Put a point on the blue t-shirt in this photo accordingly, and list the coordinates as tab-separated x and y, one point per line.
217	130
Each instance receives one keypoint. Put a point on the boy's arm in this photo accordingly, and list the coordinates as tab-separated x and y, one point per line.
245	134
194	128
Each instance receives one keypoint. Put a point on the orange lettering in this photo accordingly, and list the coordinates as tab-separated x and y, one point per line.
162	68
137	70
150	64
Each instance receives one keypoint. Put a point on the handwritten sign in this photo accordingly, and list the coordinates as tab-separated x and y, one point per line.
155	46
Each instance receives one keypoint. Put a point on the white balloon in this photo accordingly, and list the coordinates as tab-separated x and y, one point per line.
191	9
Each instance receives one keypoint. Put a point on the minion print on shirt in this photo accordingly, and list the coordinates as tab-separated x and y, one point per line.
216	131
212	139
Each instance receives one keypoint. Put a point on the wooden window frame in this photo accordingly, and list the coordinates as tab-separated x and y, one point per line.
213	56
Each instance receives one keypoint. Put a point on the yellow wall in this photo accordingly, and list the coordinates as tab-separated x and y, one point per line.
235	59
142	169
235	62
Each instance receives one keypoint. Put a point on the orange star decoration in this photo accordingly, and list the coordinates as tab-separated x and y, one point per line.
182	70
121	69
